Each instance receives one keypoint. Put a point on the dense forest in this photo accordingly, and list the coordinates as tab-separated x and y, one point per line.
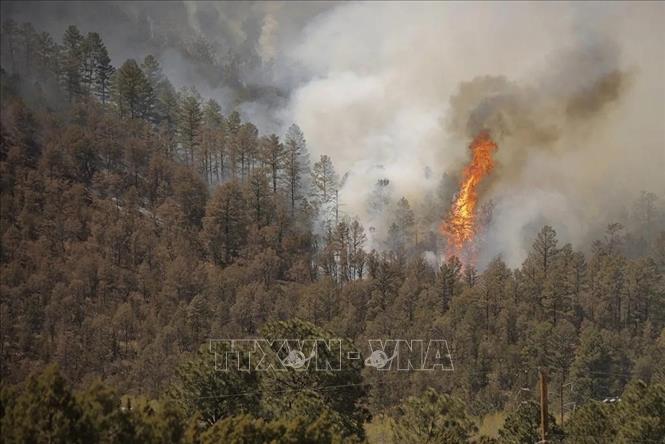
139	221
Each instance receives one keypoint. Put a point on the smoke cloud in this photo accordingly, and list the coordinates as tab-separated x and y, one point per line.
573	93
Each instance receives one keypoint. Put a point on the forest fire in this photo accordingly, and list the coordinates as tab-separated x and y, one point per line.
460	227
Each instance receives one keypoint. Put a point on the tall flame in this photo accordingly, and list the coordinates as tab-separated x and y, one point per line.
460	227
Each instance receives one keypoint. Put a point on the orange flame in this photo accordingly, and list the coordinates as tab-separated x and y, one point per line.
460	227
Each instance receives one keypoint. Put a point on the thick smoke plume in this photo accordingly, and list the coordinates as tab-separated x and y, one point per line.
574	94
535	115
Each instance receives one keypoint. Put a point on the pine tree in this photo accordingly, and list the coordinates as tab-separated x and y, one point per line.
272	156
100	70
450	275
522	425
246	148
404	221
72	61
88	61
357	255
198	377
433	418
167	106
258	198
198	315
212	139
325	187
641	413
191	193
296	165
591	423
593	366
190	119
233	124
133	94
545	248
347	403
153	73
45	410
225	223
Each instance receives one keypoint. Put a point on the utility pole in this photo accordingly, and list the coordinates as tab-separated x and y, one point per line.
543	405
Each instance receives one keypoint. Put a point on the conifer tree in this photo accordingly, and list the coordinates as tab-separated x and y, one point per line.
133	94
273	156
190	119
225	224
246	148
72	60
103	70
296	165
212	140
324	186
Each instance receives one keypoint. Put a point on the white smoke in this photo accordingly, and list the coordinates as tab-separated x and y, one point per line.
382	76
266	47
371	85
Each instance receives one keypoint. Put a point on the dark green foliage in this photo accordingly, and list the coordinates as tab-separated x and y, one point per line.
44	410
597	369
591	423
322	385
72	45
641	413
248	430
304	398
204	391
637	416
190	119
522	426
134	96
432	417
100	71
